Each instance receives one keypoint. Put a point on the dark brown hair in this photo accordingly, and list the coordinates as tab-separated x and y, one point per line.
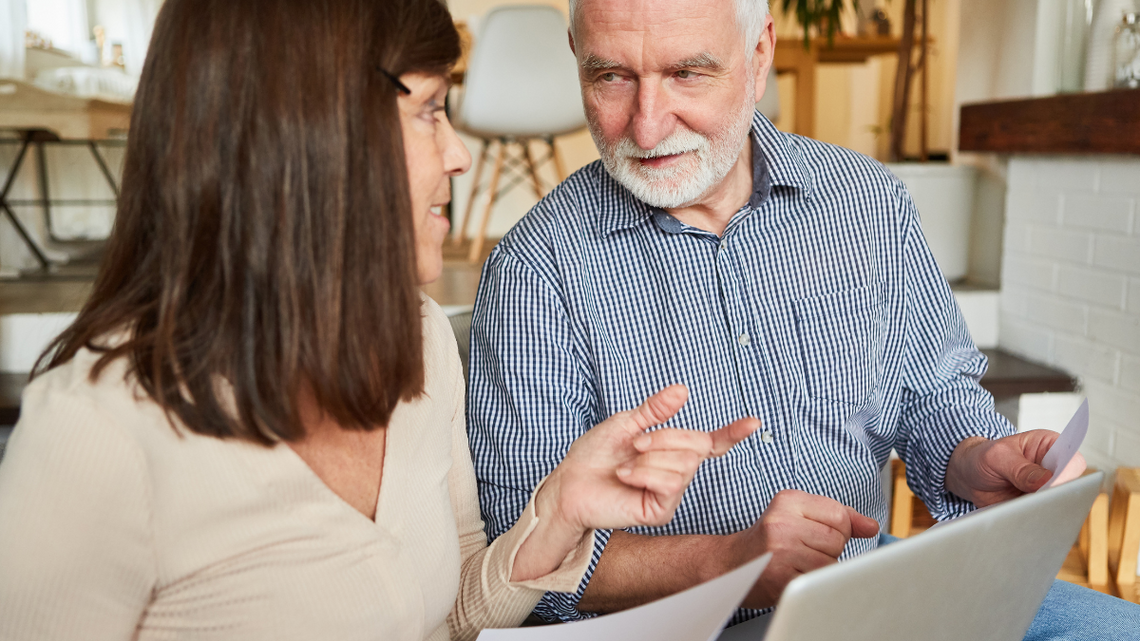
264	234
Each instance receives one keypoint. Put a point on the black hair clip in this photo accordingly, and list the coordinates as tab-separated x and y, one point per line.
401	87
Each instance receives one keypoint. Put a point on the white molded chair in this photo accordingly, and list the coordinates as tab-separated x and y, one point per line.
521	86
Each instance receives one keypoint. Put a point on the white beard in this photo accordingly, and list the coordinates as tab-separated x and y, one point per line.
685	182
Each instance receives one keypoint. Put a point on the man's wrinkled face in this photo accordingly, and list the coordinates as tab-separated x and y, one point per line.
669	91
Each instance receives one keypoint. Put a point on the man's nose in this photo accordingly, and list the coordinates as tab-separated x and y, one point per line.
654	120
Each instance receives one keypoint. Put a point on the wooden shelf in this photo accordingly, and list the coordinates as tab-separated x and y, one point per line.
1010	375
1106	122
791	57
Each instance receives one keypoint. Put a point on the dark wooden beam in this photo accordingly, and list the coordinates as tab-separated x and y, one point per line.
1106	122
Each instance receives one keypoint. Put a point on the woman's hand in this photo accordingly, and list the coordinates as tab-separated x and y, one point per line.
618	476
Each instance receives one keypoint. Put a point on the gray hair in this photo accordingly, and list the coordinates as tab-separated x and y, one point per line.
750	16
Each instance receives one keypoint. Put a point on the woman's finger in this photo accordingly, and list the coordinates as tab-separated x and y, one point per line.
1072	470
659	408
729	435
672	438
683	462
665	483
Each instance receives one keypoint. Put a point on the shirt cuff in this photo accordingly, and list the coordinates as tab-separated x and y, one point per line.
936	454
565	578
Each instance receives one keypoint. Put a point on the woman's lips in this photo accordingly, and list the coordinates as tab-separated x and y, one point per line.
436	212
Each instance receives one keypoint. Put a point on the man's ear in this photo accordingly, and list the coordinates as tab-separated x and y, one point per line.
571	37
764	55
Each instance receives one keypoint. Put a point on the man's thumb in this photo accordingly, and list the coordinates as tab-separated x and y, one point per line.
1031	477
862	527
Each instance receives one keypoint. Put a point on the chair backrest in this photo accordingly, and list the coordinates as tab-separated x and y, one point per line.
522	78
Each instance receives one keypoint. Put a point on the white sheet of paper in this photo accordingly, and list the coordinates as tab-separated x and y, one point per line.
1067	444
697	614
1058	456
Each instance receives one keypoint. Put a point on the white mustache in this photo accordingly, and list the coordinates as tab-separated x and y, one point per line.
678	142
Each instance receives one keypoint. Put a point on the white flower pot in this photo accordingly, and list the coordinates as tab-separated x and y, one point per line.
944	195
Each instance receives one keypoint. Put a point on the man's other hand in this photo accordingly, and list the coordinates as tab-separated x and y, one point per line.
985	472
803	532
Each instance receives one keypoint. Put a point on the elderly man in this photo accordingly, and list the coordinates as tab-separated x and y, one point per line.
775	276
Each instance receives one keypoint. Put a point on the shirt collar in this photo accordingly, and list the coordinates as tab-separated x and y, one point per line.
775	162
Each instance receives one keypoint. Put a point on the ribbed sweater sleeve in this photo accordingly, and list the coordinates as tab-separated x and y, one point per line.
76	553
487	598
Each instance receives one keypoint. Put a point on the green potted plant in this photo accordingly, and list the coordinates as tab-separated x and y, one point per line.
823	15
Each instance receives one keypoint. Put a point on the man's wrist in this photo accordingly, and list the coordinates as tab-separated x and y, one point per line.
958	470
730	552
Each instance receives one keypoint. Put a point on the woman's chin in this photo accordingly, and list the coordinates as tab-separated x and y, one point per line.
429	264
428	274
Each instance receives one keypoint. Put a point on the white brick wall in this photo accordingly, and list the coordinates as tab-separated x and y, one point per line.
1070	292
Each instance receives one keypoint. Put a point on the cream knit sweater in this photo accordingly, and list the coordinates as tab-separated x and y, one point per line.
114	525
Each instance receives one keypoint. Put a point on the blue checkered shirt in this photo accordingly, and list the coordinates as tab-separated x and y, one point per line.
819	310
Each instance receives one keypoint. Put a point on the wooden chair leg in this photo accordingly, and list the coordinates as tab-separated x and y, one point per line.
1096	544
492	196
1124	533
902	502
462	235
532	169
559	168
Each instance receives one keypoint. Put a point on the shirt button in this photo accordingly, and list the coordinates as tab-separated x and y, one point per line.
723	244
766	436
744	339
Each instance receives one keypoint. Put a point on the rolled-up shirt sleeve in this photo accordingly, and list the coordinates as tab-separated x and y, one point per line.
530	396
942	400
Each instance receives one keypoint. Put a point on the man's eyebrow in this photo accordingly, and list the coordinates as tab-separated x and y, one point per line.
594	63
703	60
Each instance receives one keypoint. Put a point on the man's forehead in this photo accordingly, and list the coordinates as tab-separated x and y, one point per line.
655	7
665	30
627	14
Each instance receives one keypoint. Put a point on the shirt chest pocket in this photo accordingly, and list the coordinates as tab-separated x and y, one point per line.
840	339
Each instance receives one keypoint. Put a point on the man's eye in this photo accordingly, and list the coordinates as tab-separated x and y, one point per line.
685	74
609	77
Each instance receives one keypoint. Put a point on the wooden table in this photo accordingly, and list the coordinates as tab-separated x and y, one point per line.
793	58
26	106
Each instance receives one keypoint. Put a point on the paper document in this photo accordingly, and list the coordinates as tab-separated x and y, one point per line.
1067	444
697	614
1058	456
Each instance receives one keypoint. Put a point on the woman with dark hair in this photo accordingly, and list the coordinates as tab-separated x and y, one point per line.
254	429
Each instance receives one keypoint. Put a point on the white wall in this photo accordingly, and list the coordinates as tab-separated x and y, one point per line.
1071	286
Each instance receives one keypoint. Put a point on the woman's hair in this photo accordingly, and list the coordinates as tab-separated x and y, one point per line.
264	235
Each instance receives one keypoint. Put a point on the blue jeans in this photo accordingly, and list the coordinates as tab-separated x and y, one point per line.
1074	613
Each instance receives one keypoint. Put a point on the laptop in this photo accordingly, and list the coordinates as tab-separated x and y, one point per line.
982	576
